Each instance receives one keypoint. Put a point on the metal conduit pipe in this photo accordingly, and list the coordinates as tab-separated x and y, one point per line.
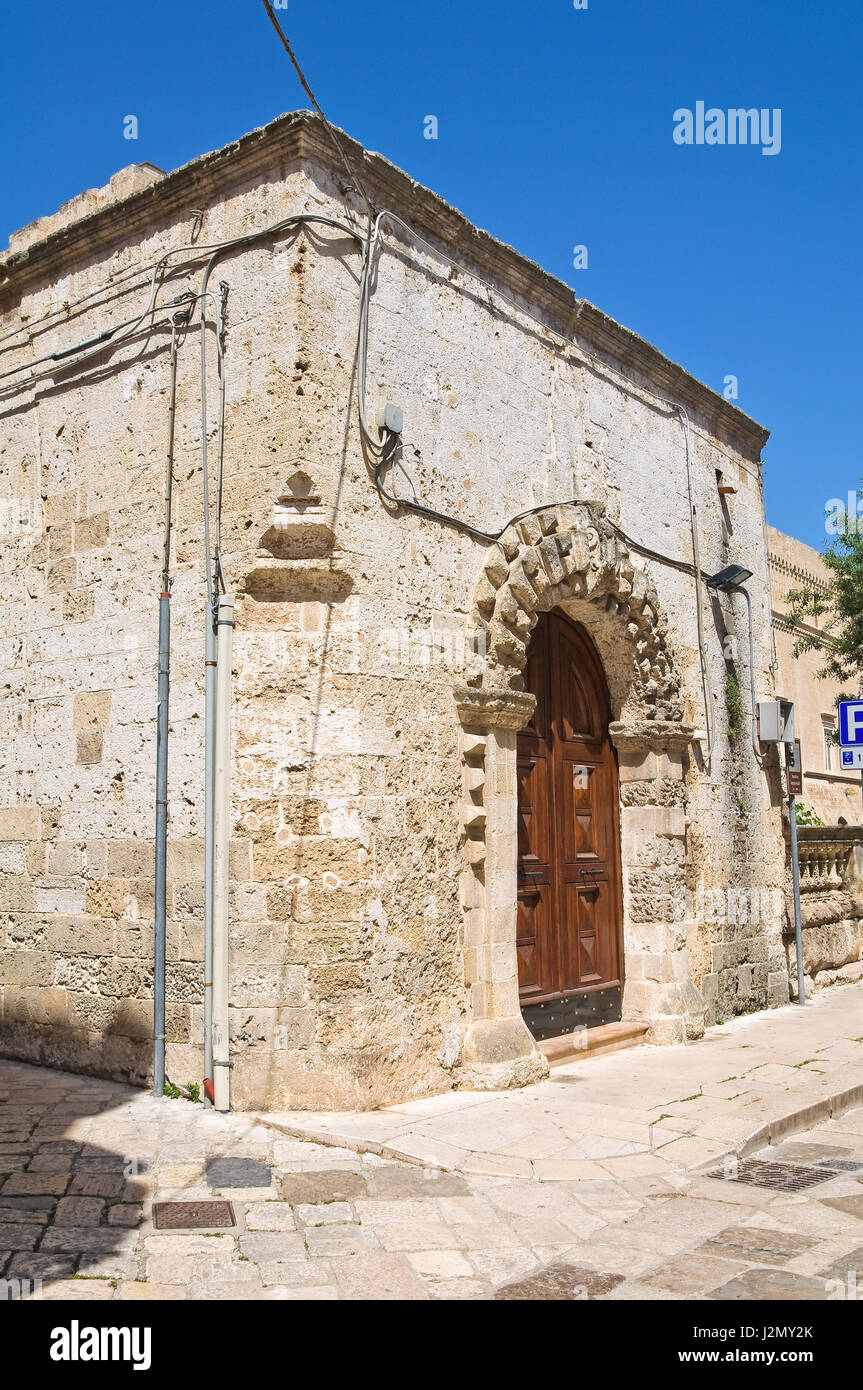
221	849
209	728
740	589
163	693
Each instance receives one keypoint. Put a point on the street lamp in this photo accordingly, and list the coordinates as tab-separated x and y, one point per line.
732	577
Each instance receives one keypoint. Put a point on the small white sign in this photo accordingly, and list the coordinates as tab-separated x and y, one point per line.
849	758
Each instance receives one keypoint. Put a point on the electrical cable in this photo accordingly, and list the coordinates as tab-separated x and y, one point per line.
696	557
313	99
220	360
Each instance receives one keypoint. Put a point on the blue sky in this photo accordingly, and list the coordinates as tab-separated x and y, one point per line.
555	130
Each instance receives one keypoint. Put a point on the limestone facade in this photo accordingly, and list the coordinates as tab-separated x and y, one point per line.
834	796
379	654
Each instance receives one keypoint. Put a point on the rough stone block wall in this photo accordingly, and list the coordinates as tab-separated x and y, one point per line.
352	980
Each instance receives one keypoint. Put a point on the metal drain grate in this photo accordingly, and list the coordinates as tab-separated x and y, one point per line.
192	1216
781	1177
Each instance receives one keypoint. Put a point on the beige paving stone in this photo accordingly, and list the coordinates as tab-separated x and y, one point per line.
422	1235
335	1241
441	1264
689	1274
179	1175
541	1231
419	1149
231	1291
464	1209
456	1289
326	1293
142	1291
305	1273
388	1277
75	1290
272	1247
496	1165
383	1211
567	1170
270	1216
614	1254
324	1213
113	1266
170	1269
497	1266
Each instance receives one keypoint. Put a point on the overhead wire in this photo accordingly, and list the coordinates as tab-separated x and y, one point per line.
331	131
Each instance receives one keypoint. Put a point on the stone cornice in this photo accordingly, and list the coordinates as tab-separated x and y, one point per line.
301	136
656	736
783	623
494	708
780	565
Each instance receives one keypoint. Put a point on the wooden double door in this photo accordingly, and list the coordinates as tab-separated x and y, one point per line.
569	937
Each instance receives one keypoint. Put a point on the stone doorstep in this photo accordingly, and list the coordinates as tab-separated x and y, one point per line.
592	1042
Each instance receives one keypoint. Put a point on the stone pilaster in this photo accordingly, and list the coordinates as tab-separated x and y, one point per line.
498	1051
659	987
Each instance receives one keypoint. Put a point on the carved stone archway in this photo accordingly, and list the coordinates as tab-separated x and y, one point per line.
571	557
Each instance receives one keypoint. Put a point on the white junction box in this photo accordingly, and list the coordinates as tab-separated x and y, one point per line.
776	721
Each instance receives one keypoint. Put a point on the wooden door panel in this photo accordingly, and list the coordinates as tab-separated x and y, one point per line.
569	899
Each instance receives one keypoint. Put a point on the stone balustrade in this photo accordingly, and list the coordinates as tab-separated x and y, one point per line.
831	901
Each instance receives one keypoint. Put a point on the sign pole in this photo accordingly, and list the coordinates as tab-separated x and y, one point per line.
798	924
794	770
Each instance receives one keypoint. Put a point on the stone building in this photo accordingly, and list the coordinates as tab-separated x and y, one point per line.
485	791
833	795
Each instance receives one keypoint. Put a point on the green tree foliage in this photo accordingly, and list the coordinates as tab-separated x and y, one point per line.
838	610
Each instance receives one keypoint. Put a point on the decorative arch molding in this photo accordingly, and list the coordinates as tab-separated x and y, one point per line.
571	557
566	553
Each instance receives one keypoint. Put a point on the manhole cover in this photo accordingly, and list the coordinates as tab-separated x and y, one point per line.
839	1165
183	1216
782	1177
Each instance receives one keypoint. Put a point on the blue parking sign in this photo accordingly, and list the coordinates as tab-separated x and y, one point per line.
851	723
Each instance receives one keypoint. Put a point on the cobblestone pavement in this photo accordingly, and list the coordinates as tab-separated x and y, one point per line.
648	1109
82	1161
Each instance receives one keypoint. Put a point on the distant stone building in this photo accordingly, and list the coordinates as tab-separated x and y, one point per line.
834	796
480	796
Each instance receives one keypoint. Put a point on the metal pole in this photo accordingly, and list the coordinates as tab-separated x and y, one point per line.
209	784
163	693
221	847
210	701
160	887
798	923
209	711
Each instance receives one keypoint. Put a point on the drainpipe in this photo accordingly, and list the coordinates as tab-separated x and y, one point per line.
221	846
209	782
163	691
209	716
